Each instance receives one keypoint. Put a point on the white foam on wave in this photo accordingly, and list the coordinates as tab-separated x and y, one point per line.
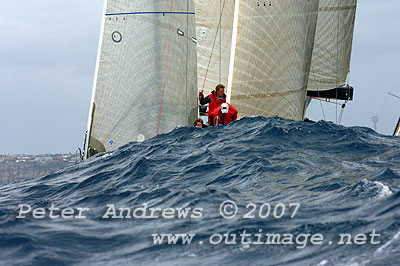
395	237
384	190
106	155
322	263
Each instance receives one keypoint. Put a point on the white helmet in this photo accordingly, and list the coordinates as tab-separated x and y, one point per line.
224	108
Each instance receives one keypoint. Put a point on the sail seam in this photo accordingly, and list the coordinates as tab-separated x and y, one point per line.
267	95
337	8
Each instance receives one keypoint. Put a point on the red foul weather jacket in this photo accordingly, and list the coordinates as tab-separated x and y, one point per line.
213	102
218	118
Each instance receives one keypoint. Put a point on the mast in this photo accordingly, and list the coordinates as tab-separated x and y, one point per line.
91	108
233	49
145	79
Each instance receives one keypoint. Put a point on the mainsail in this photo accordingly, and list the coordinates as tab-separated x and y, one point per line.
332	46
273	50
145	80
265	50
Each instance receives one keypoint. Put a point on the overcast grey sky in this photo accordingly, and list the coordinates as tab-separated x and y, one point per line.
48	55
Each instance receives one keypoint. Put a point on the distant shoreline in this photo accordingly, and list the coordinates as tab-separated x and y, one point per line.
23	166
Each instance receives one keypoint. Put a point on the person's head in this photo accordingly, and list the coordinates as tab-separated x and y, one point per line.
198	123
220	89
224	108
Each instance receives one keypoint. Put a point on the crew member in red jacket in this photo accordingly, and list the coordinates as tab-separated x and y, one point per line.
215	99
223	114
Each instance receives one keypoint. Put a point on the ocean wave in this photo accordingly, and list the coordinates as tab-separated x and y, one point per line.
345	179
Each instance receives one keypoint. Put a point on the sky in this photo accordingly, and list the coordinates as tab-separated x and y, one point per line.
48	55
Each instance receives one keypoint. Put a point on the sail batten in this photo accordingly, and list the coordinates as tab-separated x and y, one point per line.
337	8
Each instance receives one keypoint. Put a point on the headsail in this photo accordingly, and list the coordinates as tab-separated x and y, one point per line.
332	46
145	80
273	49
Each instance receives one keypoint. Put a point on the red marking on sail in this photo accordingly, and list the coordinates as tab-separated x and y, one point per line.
166	69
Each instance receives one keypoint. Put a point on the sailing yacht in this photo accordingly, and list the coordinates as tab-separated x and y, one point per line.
397	130
154	55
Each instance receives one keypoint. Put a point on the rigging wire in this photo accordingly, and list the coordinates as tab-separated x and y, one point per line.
212	49
322	100
323	112
394	95
385	102
220	41
342	111
322	108
340	116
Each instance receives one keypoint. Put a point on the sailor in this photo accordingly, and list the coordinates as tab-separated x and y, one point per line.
215	99
223	115
198	123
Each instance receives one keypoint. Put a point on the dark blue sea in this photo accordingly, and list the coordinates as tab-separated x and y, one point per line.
305	194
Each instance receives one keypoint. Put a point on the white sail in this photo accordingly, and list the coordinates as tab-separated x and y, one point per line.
397	130
333	43
214	21
272	49
145	80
